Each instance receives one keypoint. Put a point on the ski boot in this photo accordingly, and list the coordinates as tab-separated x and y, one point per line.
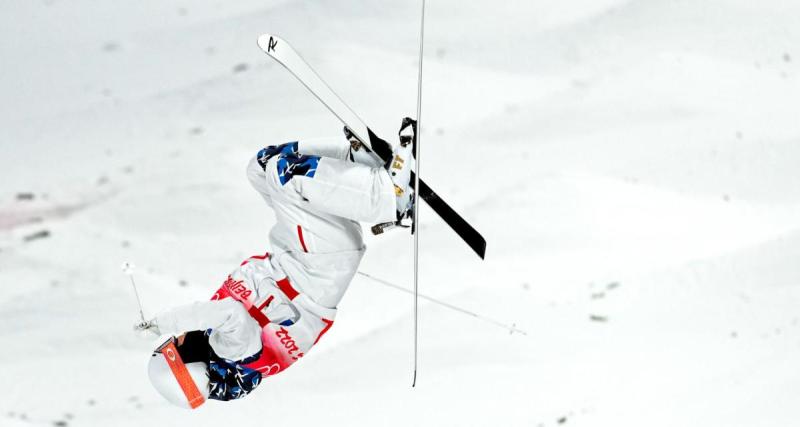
400	167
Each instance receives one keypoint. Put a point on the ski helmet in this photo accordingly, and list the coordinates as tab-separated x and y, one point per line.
184	385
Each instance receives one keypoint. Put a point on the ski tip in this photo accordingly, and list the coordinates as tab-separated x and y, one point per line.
480	248
267	42
263	41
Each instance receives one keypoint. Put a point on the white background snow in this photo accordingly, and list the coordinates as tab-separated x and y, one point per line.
633	166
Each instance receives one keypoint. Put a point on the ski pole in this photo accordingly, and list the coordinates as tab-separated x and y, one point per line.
127	269
511	328
415	222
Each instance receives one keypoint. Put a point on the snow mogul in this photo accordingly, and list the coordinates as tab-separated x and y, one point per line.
273	308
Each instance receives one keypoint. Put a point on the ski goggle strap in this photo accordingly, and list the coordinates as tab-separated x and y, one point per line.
170	353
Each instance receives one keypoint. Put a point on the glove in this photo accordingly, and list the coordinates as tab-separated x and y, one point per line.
147	328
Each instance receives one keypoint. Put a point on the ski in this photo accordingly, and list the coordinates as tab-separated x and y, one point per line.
282	52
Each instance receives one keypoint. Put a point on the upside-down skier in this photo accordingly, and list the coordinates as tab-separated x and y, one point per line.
273	308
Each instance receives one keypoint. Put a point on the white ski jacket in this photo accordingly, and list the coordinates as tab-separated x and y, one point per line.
252	312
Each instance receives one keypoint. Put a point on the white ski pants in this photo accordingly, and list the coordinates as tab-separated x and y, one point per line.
319	196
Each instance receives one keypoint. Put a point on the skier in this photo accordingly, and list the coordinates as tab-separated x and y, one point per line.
272	309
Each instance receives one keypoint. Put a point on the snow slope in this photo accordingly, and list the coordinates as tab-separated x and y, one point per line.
632	165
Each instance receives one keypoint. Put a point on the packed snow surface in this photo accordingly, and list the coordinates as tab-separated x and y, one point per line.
633	166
